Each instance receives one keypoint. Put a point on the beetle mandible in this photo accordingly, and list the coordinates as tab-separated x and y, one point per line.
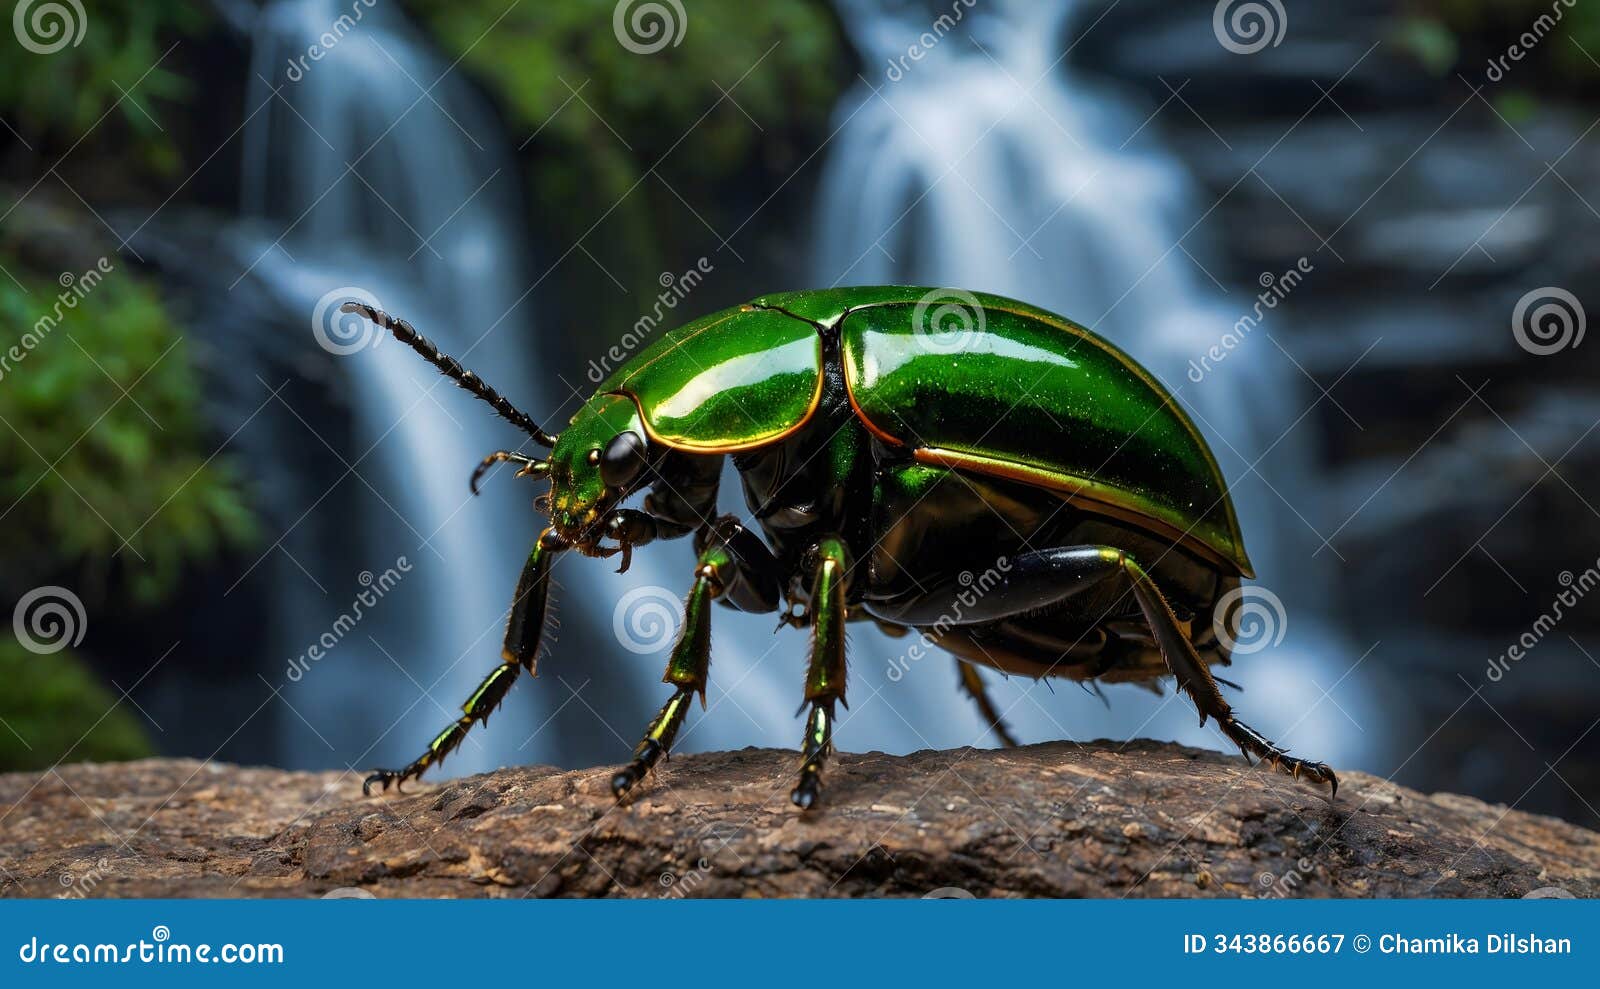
891	441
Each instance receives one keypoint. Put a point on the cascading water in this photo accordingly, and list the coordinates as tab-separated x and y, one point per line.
406	199
366	167
985	163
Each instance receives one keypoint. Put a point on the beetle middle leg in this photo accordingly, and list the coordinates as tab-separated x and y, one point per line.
825	677
732	565
524	631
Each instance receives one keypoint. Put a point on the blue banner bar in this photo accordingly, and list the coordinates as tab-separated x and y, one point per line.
790	943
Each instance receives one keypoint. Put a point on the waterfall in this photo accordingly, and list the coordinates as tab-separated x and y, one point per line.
436	167
408	200
982	161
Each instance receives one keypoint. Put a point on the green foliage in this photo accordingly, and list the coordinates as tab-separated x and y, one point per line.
619	134
87	465
53	707
1560	42
61	95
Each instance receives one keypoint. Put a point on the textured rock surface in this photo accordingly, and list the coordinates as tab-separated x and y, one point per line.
1145	819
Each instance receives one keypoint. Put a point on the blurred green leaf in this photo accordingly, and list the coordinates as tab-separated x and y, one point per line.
616	136
53	707
119	68
87	465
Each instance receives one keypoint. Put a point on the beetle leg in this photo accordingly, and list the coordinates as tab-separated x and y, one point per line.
687	668
1045	577
972	683
630	528
1196	681
825	678
520	651
734	567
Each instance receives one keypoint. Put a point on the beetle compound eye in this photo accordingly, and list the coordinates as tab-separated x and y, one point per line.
623	459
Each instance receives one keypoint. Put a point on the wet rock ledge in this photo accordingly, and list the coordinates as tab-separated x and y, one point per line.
1060	819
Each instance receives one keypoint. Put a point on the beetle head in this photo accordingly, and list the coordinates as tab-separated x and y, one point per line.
598	460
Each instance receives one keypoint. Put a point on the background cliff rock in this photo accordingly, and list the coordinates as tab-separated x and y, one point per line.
1101	819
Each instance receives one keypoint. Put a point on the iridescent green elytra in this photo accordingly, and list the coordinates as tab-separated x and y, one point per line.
980	471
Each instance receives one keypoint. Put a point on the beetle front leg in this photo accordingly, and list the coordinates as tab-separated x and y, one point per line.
524	631
633	528
825	678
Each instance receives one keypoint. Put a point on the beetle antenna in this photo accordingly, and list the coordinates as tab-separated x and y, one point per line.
452	369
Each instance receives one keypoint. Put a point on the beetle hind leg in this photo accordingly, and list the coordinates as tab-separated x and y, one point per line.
1196	681
1047	577
973	686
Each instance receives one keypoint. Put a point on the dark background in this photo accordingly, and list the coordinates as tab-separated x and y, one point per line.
206	461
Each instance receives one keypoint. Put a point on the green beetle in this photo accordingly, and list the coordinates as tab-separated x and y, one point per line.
892	442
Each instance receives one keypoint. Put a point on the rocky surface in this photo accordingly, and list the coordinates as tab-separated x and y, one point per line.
1143	819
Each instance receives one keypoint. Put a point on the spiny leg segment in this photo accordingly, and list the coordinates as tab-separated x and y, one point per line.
974	687
521	651
1044	577
1196	681
687	669
825	677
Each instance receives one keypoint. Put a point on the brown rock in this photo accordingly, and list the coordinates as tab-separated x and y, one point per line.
1102	819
